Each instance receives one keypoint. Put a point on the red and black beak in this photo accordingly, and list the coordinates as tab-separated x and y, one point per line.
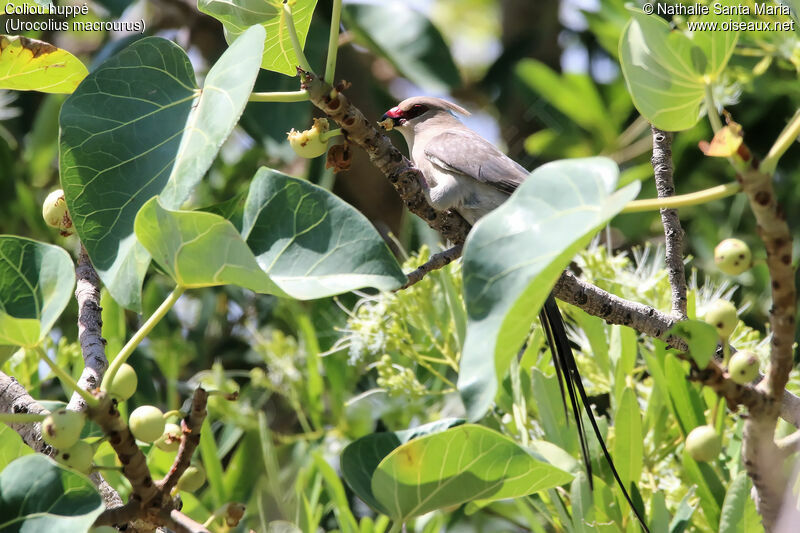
396	115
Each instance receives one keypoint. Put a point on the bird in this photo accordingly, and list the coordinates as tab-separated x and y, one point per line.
464	172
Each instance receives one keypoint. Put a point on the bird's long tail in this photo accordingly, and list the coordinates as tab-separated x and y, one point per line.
567	369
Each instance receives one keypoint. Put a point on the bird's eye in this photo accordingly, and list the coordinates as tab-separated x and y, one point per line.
416	110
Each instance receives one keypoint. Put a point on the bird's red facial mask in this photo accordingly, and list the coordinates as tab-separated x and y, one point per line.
399	117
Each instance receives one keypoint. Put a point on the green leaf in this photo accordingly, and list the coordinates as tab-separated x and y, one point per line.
118	142
198	249
732	519
141	137
701	338
36	494
709	488
36	281
237	15
628	439
225	93
681	519
412	44
667	72
31	65
361	457
573	94
686	402
311	243
341	508
461	464
506	279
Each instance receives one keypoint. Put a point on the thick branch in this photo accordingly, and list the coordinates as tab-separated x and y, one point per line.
761	455
437	261
774	231
15	399
189	441
87	293
662	169
134	463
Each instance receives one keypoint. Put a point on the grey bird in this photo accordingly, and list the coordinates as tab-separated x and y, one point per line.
465	172
462	170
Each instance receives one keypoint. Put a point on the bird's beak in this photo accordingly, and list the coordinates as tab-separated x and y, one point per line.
388	122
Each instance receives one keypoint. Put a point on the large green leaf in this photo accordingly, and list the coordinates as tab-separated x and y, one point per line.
225	93
361	457
36	281
514	255
406	38
732	518
461	464
31	65
667	71
36	494
125	139
237	15
311	243
199	249
628	439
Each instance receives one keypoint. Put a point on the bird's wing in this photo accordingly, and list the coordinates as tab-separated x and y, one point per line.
466	152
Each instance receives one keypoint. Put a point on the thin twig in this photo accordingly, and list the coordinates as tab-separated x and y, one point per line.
189	441
437	261
662	169
180	523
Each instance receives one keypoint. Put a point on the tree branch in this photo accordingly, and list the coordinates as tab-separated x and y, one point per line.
189	440
15	399
762	457
134	463
87	293
437	261
673	233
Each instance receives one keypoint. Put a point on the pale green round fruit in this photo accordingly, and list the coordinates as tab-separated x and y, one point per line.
54	212
312	142
78	457
722	315
703	443
192	478
146	423
62	428
733	257
125	382
170	440
743	367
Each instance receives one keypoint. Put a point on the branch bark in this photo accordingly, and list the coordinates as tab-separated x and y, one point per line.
437	261
90	323
15	399
189	441
762	457
673	233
